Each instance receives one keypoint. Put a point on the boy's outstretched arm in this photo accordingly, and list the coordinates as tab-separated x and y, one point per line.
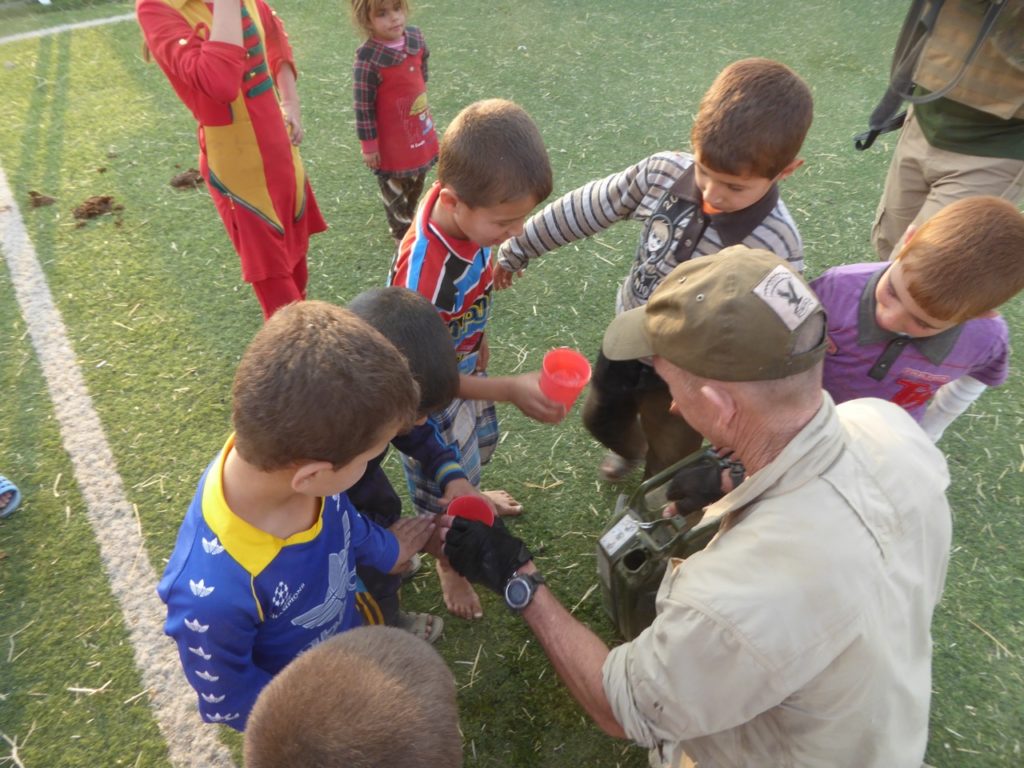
523	391
576	215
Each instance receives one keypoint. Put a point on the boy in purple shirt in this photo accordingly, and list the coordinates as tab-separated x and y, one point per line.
921	331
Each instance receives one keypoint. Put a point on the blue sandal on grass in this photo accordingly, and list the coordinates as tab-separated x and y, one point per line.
10	496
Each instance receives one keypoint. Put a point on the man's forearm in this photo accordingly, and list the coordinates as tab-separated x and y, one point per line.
576	653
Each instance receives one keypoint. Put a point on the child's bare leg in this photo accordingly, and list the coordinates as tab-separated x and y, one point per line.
504	504
459	596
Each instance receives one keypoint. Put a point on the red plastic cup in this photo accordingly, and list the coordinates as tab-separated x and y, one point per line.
471	508
563	375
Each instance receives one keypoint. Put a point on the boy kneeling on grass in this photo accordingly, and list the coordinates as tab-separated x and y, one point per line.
265	563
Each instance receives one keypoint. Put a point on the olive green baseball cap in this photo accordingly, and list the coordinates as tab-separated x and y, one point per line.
741	314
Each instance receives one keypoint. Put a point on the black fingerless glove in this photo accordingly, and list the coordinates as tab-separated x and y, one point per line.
484	555
699	484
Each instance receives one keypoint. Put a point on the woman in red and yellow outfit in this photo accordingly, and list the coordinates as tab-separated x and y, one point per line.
231	64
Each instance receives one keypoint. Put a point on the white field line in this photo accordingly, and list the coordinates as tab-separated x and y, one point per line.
66	28
114	523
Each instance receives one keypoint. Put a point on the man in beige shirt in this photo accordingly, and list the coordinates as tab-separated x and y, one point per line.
801	635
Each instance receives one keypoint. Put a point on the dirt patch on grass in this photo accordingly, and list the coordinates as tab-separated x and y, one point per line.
190	179
97	205
38	199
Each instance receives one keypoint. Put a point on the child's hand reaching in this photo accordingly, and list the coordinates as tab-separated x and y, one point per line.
412	533
462	487
525	394
503	278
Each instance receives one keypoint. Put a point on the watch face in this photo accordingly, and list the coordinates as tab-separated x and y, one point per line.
517	593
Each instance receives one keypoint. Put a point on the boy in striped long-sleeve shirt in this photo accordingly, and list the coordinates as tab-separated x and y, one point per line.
746	137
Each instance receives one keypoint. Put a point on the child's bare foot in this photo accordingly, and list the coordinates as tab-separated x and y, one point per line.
459	595
504	504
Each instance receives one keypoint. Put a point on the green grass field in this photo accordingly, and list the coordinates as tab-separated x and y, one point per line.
157	317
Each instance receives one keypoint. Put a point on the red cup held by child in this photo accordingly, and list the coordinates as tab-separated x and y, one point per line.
471	508
563	375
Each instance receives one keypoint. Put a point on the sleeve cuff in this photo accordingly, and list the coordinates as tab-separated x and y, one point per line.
447	472
509	261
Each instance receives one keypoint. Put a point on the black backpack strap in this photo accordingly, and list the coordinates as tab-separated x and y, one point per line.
916	28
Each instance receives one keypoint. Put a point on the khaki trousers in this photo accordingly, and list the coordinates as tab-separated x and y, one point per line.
922	180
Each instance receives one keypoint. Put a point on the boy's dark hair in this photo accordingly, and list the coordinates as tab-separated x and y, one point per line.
318	384
492	153
372	697
410	322
753	119
362	12
967	259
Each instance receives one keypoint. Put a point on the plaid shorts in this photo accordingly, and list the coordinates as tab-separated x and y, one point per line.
471	427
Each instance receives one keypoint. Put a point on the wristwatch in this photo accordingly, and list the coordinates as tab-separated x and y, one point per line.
519	590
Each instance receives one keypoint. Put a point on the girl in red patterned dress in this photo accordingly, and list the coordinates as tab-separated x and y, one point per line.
393	121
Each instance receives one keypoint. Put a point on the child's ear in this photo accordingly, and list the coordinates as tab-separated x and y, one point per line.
788	170
307	472
903	242
447	198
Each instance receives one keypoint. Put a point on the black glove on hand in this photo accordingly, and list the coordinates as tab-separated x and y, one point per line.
699	484
484	555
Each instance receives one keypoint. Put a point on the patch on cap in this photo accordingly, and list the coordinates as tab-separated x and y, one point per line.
787	296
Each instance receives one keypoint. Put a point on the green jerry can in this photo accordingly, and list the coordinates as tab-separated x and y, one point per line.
635	549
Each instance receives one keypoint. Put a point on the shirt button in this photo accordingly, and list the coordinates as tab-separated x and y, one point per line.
182	41
687	242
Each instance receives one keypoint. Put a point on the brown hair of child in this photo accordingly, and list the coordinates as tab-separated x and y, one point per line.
753	119
410	322
362	12
372	697
317	383
967	259
492	153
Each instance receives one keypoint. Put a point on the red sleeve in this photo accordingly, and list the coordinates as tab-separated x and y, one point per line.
279	50
212	69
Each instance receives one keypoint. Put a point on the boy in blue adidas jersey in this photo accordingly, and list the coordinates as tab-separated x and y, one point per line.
265	563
